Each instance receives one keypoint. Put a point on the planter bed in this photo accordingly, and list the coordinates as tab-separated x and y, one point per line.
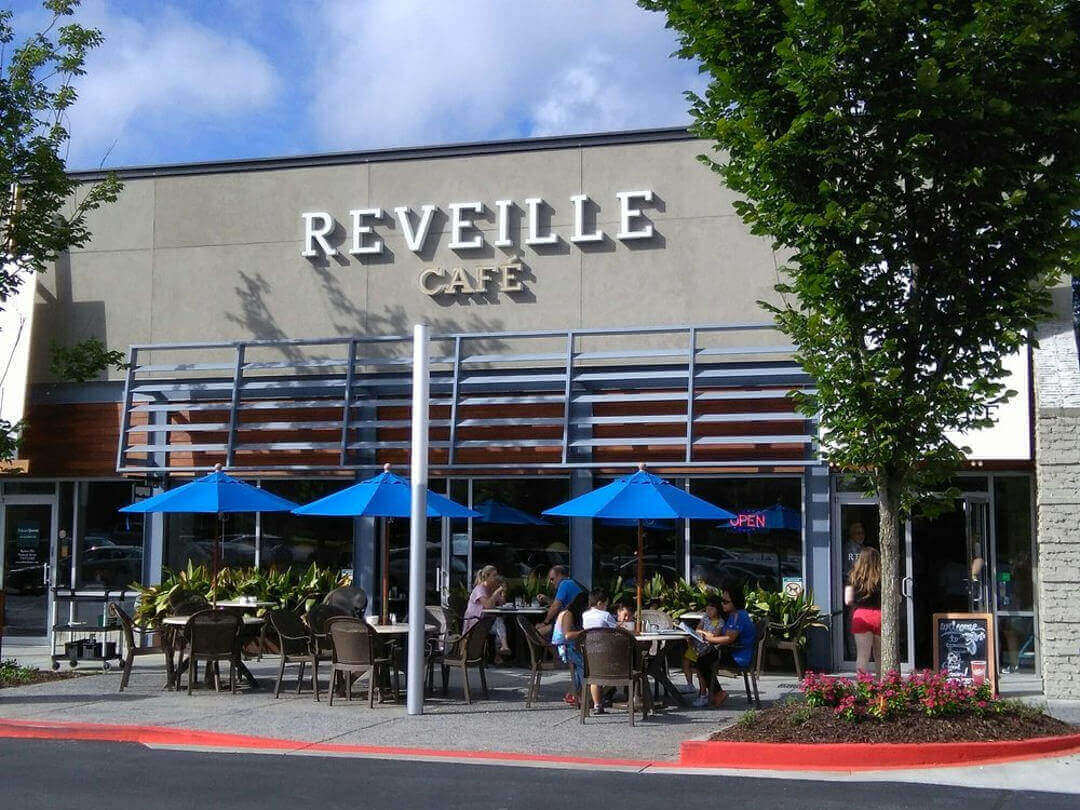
798	723
27	676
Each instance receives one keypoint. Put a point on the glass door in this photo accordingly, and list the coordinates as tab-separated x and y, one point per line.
28	543
855	526
977	518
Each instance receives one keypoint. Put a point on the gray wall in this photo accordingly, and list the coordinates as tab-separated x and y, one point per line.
217	256
1057	453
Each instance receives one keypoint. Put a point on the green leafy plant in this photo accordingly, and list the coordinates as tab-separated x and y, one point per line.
12	674
789	617
917	166
83	361
290	589
683	597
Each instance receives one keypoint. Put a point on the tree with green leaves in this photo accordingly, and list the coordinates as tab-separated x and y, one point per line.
915	164
42	209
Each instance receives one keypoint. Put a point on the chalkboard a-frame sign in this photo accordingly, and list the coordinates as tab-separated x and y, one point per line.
964	647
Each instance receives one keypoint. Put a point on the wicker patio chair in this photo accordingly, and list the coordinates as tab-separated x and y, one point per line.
356	652
294	643
468	650
538	648
133	648
750	674
611	658
174	639
213	638
321	647
435	646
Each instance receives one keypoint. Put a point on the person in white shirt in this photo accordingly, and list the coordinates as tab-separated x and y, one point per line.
597	615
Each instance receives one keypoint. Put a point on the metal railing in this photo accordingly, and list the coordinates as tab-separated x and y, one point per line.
712	395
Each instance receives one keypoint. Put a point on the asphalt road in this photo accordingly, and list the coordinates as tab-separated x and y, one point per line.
50	774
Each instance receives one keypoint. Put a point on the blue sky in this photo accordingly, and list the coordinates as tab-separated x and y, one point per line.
189	81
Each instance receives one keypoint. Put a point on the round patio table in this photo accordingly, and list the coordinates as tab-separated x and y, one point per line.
516	611
657	666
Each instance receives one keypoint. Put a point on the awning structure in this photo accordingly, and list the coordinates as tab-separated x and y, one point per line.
700	397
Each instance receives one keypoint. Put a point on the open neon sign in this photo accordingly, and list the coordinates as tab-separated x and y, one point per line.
748	520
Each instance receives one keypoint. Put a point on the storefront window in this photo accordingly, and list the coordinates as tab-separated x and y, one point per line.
188	537
762	546
1012	518
110	543
398	531
512	535
1016	643
615	550
289	540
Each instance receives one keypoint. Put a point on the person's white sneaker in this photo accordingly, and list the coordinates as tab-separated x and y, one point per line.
686	687
701	701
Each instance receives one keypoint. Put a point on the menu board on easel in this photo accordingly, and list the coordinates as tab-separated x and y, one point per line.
964	647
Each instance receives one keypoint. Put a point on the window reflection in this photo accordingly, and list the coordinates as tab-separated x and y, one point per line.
1012	506
615	550
290	540
110	543
189	537
512	535
761	547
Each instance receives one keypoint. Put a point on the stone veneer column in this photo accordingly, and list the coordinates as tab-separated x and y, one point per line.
1057	465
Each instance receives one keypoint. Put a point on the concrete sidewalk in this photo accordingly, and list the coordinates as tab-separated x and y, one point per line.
501	723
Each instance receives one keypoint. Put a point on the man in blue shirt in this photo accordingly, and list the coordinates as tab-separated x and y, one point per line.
566	591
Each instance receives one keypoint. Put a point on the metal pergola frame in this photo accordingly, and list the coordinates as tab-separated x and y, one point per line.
358	375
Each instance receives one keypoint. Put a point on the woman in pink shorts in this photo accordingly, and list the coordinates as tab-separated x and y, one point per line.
863	593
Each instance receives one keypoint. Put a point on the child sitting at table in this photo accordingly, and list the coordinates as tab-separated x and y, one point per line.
597	615
624	615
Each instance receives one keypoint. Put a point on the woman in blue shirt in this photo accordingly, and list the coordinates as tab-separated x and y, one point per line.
732	647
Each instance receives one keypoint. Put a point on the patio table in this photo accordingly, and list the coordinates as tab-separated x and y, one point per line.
238	603
528	610
244	672
656	665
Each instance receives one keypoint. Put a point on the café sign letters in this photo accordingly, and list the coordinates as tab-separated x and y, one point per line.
465	235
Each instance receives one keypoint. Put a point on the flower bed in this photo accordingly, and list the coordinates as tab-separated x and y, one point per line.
921	707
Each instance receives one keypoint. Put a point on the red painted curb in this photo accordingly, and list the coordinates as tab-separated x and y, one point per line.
163	735
868	756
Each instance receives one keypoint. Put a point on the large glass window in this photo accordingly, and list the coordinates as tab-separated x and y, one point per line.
512	535
188	537
110	543
762	545
1012	518
615	549
299	540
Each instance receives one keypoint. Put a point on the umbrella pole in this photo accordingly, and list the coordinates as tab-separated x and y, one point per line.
214	560
384	605
640	569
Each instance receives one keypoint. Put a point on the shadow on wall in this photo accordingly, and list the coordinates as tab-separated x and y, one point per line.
59	317
256	319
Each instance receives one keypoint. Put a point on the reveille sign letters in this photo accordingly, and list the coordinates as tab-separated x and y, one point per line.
465	236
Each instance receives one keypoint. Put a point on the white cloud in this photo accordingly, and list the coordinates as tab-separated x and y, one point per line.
163	71
398	72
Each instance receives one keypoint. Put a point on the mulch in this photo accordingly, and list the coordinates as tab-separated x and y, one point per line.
796	723
42	676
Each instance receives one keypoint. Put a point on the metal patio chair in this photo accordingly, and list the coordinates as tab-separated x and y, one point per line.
750	674
132	647
213	637
294	644
356	652
611	658
538	649
465	651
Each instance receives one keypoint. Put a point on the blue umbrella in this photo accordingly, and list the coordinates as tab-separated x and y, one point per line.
386	496
650	525
492	511
214	494
641	497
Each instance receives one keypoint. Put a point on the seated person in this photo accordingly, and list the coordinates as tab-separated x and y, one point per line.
727	643
568	593
624	615
488	593
564	636
597	615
